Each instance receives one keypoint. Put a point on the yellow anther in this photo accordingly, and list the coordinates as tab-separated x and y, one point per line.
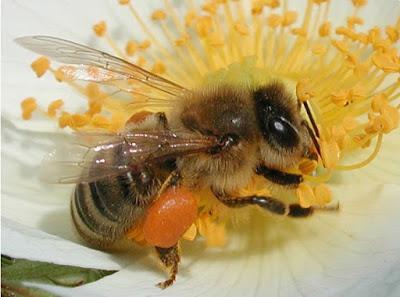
182	40
257	7
308	166
349	123
145	44
318	2
141	61
289	18
359	3
299	31
381	124
318	49
360	140
59	75
392	115
392	34
54	106
40	66
362	37
357	93
382	45
241	28
352	59
354	20
190	233
131	48
305	194
28	106
203	26
272	3
274	20
215	39
100	28
303	90
158	68
123	2
158	15
65	120
190	18
100	121
210	7
340	98
385	62
340	45
361	69
213	232
330	153
325	29
94	107
323	195
374	35
79	120
378	101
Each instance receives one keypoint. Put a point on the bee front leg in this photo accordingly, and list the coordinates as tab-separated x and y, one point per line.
270	204
279	177
170	259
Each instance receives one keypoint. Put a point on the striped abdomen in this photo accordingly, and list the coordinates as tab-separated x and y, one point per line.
104	210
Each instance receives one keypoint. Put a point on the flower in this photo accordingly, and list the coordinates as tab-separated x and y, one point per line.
328	254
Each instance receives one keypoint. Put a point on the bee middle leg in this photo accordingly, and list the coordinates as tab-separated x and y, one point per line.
270	204
162	120
170	259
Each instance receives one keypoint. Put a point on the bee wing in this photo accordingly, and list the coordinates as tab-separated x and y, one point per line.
69	52
93	156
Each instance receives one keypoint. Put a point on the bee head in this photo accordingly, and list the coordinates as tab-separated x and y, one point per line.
285	140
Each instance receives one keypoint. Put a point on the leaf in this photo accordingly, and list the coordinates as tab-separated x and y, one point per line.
20	270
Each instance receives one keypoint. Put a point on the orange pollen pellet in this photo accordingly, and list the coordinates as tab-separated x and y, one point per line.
241	28
158	15
54	106
169	217
40	66
100	28
28	106
131	48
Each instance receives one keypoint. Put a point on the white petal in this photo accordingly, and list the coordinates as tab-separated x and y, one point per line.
352	253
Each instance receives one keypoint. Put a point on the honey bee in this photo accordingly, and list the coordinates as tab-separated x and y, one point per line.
216	136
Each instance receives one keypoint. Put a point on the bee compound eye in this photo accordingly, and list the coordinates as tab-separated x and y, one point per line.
283	132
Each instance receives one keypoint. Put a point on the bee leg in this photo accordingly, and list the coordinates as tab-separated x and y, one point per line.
170	259
279	177
268	203
162	120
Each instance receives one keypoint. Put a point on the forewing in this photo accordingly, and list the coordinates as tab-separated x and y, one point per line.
69	52
93	156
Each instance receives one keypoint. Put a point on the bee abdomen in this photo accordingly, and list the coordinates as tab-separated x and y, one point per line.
103	211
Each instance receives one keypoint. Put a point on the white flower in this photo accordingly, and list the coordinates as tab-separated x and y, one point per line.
355	252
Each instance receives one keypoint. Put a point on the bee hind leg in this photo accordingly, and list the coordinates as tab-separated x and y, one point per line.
170	259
